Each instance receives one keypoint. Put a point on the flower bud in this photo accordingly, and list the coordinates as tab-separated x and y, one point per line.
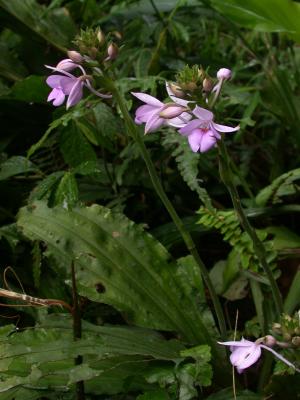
75	56
66	65
117	34
191	86
171	110
269	341
224	73
100	37
276	328
207	85
296	341
176	90
201	73
93	51
112	51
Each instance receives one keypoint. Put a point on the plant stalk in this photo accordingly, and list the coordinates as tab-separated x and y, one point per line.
226	176
172	212
76	314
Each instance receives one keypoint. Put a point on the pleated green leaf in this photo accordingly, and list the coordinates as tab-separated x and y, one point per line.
117	263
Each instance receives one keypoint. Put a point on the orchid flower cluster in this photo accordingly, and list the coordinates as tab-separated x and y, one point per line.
66	84
95	50
196	123
245	353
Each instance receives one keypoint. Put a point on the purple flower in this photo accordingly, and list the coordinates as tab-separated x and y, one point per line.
202	132
245	353
67	84
224	73
185	117
63	86
66	65
155	113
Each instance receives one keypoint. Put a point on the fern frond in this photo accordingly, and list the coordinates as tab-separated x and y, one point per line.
227	223
187	163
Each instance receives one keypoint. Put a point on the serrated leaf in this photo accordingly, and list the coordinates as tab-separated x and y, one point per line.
74	146
132	268
45	187
76	112
87	168
66	193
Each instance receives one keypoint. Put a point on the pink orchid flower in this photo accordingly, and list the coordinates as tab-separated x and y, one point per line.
185	117
155	113
67	84
245	353
203	132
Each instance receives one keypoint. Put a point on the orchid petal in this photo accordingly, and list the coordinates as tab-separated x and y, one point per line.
143	112
57	95
208	141
238	343
195	139
190	126
66	64
54	81
214	132
76	94
280	357
203	114
224	128
146	98
181	121
153	123
61	71
243	358
67	84
177	100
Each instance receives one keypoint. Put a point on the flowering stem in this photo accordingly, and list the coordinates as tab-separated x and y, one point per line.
226	176
172	212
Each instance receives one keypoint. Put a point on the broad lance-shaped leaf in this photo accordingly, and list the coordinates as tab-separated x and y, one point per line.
43	357
263	15
16	165
55	26
119	264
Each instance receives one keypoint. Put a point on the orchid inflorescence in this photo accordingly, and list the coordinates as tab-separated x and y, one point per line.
202	132
66	84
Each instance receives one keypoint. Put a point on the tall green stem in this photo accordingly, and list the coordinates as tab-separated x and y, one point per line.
161	193
226	176
80	395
